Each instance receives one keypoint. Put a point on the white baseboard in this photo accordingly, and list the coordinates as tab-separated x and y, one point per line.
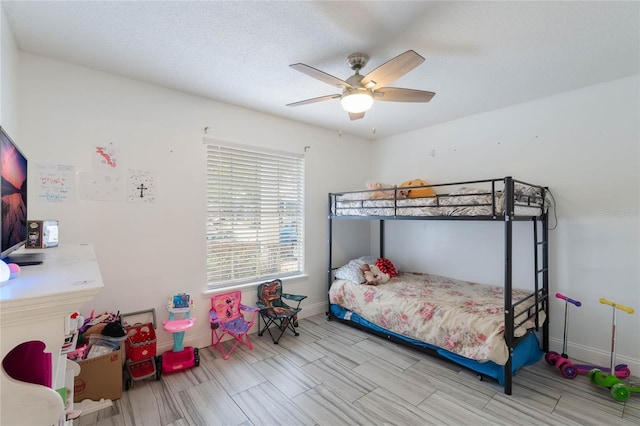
88	406
597	357
311	310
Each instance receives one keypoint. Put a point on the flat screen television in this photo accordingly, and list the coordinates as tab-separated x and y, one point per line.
13	225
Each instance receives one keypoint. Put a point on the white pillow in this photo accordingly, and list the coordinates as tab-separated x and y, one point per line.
351	271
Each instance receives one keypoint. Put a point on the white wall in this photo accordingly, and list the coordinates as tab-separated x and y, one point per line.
8	86
147	252
584	145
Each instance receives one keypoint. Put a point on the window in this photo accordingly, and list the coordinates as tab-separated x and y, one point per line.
255	215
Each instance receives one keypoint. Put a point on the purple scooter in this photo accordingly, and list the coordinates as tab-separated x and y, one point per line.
568	369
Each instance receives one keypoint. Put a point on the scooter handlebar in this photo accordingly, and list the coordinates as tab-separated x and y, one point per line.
615	305
563	297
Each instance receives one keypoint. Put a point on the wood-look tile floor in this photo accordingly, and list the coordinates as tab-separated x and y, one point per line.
333	374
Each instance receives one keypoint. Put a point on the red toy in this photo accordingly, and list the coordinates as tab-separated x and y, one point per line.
140	346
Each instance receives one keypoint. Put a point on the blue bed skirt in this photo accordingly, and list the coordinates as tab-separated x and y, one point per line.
527	352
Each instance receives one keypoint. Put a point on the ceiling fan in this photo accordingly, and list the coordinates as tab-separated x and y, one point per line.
359	92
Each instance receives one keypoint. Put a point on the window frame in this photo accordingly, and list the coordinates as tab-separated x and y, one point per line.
270	209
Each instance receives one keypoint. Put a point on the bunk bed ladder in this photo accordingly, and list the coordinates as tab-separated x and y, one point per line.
541	274
541	269
544	271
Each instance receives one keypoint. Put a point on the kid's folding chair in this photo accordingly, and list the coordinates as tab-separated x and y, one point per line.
273	310
226	317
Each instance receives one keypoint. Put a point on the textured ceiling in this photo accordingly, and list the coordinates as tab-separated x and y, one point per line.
480	56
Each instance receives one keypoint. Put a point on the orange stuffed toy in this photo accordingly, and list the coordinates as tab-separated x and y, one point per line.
418	192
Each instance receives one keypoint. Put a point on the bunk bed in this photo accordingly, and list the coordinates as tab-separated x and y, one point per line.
502	321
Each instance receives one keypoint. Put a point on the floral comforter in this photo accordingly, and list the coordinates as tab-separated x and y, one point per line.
462	317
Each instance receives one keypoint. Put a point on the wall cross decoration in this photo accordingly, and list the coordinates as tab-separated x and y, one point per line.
141	186
142	189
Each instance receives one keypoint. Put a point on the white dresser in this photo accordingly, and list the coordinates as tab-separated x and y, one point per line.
34	306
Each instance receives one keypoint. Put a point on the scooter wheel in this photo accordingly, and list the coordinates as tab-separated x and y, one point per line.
196	357
551	357
620	392
592	374
569	371
622	371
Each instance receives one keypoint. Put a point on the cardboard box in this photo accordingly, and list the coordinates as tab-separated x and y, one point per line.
100	377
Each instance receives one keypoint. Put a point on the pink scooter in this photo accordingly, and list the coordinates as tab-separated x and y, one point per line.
568	369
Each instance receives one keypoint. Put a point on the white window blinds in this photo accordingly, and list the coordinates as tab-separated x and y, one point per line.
255	215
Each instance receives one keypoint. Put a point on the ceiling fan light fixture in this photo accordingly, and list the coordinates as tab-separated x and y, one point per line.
358	91
357	101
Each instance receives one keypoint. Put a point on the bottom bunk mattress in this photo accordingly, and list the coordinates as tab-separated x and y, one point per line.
461	317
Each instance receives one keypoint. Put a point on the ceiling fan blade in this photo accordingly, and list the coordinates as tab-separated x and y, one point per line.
314	100
392	70
320	75
396	94
356	115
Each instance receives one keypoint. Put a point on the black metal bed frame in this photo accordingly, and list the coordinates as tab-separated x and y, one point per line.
541	262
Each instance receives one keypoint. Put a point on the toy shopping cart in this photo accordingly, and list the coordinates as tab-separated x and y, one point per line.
140	346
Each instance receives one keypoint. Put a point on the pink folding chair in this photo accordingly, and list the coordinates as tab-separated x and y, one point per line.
226	317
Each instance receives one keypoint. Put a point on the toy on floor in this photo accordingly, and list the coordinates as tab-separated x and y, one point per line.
180	357
227	319
568	369
619	390
140	345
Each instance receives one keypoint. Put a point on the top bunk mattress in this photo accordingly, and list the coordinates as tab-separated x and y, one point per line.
475	199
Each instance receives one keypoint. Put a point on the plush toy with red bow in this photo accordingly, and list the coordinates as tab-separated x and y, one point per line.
386	267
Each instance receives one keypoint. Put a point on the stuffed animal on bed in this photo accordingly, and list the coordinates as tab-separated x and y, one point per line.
417	192
386	267
373	275
383	190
